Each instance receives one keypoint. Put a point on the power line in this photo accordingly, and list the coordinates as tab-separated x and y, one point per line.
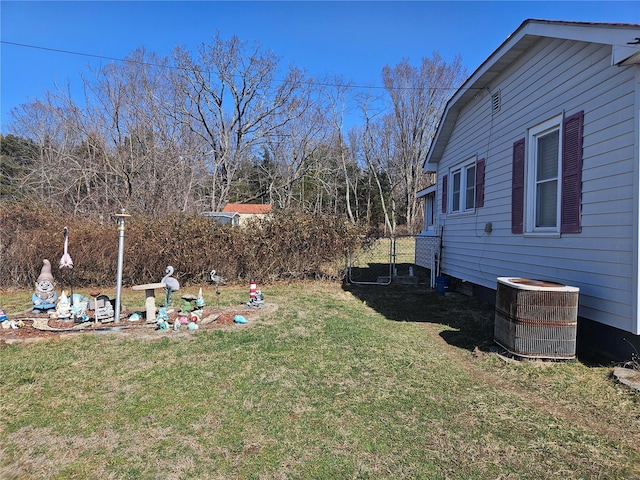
149	64
69	52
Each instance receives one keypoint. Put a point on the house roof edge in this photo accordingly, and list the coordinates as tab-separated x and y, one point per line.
618	35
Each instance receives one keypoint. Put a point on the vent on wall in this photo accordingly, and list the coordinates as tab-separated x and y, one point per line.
536	319
495	102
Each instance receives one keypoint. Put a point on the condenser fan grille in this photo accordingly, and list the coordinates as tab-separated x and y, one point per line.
536	319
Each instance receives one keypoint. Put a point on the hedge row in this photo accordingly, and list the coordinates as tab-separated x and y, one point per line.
282	246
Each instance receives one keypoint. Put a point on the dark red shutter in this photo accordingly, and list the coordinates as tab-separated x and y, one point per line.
570	206
517	188
480	183
444	194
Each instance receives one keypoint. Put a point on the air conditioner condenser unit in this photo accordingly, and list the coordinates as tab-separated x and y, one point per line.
536	319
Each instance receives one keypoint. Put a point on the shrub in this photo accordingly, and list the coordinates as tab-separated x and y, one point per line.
282	246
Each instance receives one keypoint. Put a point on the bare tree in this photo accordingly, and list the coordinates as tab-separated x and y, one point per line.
377	153
51	181
187	133
139	146
337	104
418	97
231	99
290	150
117	150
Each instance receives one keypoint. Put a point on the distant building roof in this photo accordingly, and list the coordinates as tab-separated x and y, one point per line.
220	214
228	218
247	208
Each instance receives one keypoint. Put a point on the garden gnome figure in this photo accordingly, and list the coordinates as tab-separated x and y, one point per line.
200	300
63	310
44	298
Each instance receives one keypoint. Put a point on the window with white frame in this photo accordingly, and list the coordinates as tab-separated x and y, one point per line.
543	176
462	197
546	182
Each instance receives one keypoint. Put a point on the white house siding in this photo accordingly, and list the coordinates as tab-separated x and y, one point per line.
552	77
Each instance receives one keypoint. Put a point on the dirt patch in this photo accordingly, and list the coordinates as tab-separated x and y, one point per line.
32	328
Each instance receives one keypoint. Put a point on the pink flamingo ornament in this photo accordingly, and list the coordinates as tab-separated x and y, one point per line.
65	261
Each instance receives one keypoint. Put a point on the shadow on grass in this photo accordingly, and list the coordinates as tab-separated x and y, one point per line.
470	322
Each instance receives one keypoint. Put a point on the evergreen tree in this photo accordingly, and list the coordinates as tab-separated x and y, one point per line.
16	156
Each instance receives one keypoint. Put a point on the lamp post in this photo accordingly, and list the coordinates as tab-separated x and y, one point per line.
121	216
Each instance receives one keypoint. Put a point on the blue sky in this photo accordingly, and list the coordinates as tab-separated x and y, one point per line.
354	40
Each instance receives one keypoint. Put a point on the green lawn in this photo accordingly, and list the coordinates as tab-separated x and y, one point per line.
366	382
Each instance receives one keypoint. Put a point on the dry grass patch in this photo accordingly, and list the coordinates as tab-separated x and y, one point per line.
336	383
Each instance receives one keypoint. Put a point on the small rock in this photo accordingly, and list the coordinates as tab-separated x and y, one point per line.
628	376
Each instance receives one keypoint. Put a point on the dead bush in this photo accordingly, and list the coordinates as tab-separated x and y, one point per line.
282	246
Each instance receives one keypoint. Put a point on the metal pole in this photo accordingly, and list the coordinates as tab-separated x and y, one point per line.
121	216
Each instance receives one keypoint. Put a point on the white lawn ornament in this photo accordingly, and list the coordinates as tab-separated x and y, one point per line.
171	285
65	261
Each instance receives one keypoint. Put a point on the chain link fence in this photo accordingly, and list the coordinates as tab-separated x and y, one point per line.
384	261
